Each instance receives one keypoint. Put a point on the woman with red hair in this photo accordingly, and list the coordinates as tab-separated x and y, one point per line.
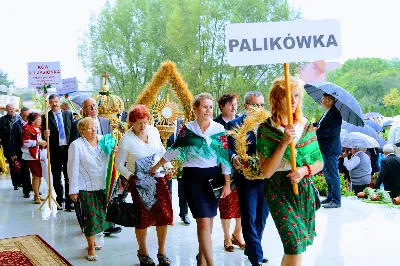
33	150
294	215
140	141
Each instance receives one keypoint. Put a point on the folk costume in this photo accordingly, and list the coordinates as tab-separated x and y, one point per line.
203	156
294	215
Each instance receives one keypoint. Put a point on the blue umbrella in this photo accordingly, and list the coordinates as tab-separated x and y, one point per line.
373	114
345	102
374	125
357	140
388	123
367	130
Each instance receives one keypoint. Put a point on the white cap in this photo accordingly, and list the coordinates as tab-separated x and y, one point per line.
388	148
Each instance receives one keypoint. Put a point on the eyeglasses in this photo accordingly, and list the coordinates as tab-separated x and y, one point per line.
256	105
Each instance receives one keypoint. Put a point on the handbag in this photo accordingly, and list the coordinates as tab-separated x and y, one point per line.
217	183
15	166
123	213
316	196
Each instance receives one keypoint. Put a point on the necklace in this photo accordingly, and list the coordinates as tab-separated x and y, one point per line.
294	121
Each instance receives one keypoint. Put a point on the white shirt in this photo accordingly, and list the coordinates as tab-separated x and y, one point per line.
23	122
26	144
201	162
353	162
323	116
61	142
132	148
87	166
394	134
285	164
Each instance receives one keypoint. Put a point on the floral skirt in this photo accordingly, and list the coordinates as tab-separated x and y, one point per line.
94	207
160	213
294	215
229	207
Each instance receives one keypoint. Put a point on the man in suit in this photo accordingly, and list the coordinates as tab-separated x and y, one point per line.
328	134
389	174
90	109
59	133
16	152
6	123
253	207
183	205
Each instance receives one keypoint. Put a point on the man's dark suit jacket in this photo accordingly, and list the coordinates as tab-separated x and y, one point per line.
6	123
390	175
220	120
328	132
104	124
68	119
171	140
15	139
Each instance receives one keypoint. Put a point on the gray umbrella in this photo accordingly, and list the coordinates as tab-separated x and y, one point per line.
346	103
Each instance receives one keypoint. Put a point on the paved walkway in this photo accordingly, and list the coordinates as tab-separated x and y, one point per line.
356	234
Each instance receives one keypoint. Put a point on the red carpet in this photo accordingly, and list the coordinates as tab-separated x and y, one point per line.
29	250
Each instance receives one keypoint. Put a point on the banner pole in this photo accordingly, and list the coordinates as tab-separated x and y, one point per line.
290	122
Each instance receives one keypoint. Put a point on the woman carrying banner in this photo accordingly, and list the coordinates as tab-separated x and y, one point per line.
202	147
33	150
87	165
294	215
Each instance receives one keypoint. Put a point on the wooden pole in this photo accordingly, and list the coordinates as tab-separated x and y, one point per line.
49	195
290	122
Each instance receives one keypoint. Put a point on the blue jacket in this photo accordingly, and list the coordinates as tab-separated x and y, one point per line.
328	133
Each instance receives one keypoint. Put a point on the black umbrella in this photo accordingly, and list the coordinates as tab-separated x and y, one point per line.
345	102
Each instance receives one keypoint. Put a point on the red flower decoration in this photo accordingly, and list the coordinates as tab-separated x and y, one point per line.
307	198
224	141
305	237
92	232
273	196
293	224
280	202
289	233
91	213
293	248
182	131
84	199
298	239
276	212
290	209
90	204
245	164
284	217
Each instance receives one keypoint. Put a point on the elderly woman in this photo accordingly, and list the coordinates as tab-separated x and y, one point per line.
140	141
229	206
294	215
87	166
359	167
202	147
33	150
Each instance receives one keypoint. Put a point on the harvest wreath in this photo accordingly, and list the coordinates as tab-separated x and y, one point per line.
250	164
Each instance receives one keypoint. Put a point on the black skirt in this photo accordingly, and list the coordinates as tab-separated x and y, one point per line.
200	197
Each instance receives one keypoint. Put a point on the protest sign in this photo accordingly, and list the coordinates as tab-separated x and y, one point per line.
69	86
44	73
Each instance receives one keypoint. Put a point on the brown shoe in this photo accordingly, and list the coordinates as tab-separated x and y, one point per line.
228	248
237	243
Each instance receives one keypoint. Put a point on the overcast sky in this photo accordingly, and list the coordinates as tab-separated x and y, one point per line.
49	30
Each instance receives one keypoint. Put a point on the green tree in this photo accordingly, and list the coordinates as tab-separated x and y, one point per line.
4	79
392	98
131	38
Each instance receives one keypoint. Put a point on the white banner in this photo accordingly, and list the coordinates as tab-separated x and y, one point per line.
69	86
6	99
41	73
282	42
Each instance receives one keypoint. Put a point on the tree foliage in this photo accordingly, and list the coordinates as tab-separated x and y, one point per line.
131	38
368	79
392	98
4	79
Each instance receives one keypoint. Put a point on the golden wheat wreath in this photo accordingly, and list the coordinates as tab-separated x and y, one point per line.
251	166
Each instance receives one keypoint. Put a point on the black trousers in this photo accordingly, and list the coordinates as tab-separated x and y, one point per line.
25	176
183	205
58	161
16	181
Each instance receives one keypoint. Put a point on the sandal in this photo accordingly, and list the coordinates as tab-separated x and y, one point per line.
98	247
163	260
91	258
228	248
237	243
145	260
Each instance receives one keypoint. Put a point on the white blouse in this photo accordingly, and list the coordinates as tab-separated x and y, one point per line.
299	127
201	162
132	148
26	144
87	166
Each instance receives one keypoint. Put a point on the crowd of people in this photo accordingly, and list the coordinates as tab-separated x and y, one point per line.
81	151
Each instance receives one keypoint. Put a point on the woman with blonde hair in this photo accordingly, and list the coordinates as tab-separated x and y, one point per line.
294	215
87	166
202	147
